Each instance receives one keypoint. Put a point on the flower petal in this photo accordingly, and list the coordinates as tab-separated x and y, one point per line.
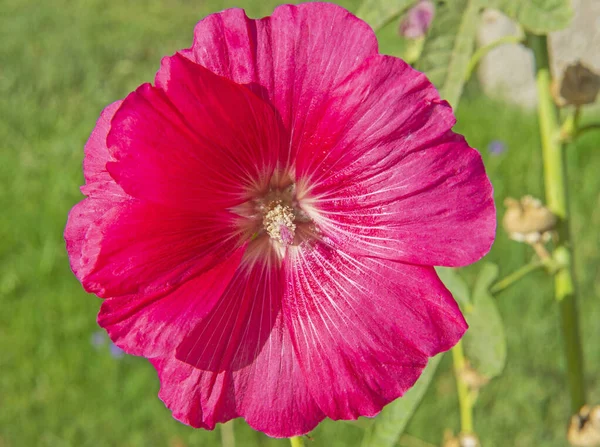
81	217
270	393
363	328
239	361
153	325
237	327
141	247
298	54
386	177
98	180
171	142
104	193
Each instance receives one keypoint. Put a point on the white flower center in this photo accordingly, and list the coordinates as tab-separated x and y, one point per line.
278	222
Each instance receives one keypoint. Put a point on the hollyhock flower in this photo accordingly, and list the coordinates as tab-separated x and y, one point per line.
417	20
262	222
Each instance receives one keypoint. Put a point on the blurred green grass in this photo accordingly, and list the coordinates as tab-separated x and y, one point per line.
61	62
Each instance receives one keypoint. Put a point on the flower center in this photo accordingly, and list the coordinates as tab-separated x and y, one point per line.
278	222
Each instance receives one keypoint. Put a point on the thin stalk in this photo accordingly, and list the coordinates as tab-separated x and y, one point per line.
465	397
227	434
587	128
297	441
482	51
570	125
515	276
555	179
551	265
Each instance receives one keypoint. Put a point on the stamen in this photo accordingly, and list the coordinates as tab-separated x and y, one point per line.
279	222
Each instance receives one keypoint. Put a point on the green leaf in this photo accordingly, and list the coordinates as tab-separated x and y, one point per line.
486	278
391	422
537	16
456	285
449	46
485	341
378	13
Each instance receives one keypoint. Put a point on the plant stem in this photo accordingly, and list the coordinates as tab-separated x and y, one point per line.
587	128
297	441
465	397
557	201
570	125
227	434
515	276
482	51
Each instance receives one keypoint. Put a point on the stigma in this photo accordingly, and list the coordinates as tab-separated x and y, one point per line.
278	222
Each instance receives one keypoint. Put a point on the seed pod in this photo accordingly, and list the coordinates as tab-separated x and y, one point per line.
472	378
584	428
527	220
579	85
462	440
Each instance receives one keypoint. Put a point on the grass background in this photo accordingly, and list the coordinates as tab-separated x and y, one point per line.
61	62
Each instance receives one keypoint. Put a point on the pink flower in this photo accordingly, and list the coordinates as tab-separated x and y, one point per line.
417	20
263	221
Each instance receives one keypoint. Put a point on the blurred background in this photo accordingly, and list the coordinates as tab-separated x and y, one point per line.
62	383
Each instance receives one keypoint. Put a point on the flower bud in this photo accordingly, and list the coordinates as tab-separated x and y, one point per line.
417	20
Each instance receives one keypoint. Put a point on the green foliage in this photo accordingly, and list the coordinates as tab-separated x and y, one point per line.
449	46
391	422
456	285
537	16
485	341
379	12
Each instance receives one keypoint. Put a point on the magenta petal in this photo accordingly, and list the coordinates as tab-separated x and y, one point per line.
237	327
96	151
171	142
298	54
364	328
394	181
81	217
102	190
239	361
142	247
154	324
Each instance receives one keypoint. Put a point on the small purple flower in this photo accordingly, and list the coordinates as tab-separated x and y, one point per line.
116	352
496	147
98	339
417	20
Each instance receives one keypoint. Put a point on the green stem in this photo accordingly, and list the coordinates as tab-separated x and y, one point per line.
297	441
569	128
227	434
587	128
465	397
551	265
515	276
556	199
482	51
